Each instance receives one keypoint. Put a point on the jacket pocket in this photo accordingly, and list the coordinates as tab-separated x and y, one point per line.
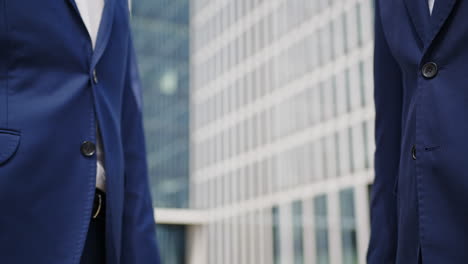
9	143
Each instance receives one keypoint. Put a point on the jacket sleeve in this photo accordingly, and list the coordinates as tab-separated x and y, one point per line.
388	93
138	235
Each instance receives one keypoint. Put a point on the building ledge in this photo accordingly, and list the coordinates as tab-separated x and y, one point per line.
179	216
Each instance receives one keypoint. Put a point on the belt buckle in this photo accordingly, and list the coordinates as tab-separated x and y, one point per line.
98	210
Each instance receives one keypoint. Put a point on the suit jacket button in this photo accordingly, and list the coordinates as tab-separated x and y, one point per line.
429	70
88	149
413	152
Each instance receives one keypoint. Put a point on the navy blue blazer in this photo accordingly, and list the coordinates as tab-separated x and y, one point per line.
421	161
48	107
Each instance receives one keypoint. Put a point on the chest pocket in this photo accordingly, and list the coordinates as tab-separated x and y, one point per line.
9	143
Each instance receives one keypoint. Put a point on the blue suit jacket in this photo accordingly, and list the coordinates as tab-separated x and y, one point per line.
419	203
48	107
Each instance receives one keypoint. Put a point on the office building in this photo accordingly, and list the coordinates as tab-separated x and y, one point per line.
282	129
275	128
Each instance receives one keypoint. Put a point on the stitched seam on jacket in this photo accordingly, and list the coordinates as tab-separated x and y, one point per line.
7	25
4	74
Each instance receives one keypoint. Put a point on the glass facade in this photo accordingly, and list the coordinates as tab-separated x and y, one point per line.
161	38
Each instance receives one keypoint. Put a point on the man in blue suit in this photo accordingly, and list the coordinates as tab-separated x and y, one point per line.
73	175
420	194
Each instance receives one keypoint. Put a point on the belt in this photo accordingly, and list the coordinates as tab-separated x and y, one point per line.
99	205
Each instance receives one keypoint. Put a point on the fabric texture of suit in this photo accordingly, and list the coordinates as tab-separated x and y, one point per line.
420	192
49	104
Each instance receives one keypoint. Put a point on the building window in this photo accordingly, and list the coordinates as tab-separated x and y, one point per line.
321	230
359	23
348	227
351	156
276	236
362	84
348	90
366	145
344	33
173	247
298	230
339	171
324	161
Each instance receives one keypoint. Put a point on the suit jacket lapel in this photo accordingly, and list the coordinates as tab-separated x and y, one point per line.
440	14
73	3
104	32
418	11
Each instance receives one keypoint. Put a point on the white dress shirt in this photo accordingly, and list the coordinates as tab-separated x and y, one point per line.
431	5
91	13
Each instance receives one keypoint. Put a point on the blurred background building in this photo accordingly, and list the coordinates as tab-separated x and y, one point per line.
259	124
161	38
